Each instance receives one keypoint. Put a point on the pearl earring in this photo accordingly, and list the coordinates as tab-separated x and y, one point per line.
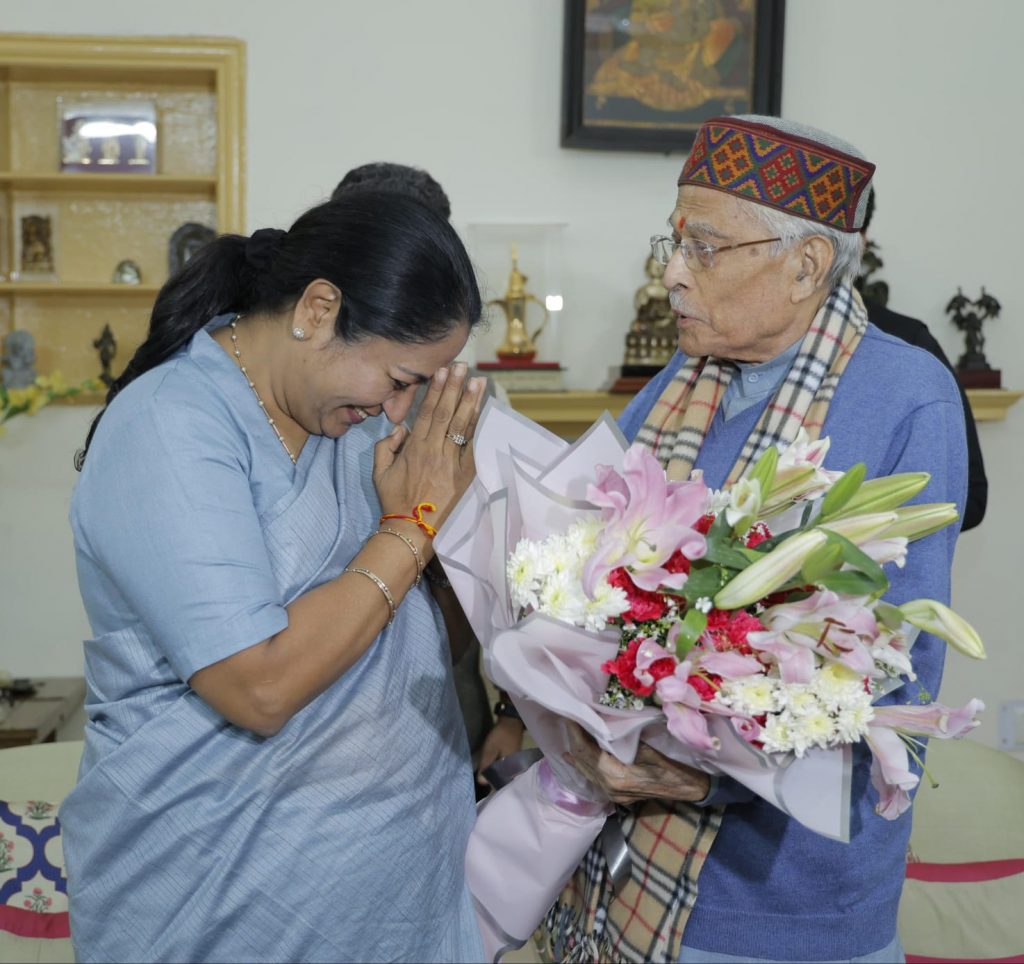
299	334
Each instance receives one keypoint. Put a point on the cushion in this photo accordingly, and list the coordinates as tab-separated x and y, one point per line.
33	888
963	911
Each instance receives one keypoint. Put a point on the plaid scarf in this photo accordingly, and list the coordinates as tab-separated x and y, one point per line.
668	842
679	421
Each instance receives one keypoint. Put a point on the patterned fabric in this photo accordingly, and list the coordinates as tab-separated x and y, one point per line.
680	419
33	889
761	163
669	842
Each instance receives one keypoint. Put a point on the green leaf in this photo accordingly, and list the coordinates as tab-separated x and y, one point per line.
819	564
849	583
704	582
888	615
860	560
690	628
844	489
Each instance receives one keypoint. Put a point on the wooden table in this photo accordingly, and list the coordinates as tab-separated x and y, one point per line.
37	718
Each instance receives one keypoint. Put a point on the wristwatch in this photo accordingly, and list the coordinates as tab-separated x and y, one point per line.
505	707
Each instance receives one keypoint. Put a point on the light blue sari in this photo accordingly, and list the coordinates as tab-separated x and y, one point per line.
342	837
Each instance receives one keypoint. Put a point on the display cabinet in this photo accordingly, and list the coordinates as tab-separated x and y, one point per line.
108	146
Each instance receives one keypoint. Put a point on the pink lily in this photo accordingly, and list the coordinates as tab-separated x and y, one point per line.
851	626
730	664
891	775
646	518
689	726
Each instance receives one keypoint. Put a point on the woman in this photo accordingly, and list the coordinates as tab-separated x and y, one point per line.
275	768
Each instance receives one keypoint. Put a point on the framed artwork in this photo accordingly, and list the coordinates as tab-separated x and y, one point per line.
35	242
643	75
108	137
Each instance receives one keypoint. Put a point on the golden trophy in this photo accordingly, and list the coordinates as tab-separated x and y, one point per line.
516	368
519	345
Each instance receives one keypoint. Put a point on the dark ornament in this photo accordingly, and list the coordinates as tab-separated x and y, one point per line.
877	291
106	346
184	243
972	367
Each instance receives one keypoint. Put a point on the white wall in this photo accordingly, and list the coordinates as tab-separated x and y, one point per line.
470	89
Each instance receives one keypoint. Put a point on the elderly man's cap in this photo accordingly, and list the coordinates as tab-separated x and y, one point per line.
783	164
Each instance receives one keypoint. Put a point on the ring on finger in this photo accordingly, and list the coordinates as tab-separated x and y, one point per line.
457	438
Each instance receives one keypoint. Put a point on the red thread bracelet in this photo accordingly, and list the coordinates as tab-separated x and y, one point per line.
417	517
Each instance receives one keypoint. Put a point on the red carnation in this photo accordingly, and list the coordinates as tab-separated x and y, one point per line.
704	523
758	533
623	667
643	604
706	687
677	562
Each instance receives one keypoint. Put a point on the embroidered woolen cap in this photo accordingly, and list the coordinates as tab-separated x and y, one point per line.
798	169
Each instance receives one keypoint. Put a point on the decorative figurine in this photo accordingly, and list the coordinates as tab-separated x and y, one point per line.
18	370
876	291
127	273
519	345
106	345
36	244
652	337
184	243
973	368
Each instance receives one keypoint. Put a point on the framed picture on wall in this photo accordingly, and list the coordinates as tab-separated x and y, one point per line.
108	137
643	75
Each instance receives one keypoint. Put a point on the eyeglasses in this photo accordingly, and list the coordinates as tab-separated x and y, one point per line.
695	252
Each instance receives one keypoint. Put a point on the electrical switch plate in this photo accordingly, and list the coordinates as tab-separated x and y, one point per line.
1011	726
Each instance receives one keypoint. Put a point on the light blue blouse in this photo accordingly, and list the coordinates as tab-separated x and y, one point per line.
342	837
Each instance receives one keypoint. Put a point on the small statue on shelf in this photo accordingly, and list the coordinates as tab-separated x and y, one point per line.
19	366
972	367
106	345
652	336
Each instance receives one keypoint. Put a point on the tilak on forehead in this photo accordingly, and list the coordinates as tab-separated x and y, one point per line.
795	168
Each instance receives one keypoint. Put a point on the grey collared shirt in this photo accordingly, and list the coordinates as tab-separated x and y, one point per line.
752	383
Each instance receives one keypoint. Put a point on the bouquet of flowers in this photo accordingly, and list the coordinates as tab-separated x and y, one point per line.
757	605
743	632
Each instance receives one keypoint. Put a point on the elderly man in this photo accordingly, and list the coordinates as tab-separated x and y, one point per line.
763	248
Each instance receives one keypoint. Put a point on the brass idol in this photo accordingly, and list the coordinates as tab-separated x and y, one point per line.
519	345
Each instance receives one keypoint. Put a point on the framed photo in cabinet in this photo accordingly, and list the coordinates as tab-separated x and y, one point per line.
35	242
108	137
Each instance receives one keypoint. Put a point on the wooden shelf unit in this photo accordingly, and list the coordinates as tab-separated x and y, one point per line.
569	414
197	86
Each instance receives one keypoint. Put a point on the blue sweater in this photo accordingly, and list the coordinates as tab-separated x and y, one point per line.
771	888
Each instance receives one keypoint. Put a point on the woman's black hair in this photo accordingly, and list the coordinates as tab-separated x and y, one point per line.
402	271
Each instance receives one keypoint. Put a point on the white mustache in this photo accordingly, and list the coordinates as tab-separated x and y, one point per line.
676	302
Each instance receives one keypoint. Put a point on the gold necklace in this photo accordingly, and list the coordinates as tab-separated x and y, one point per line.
263	408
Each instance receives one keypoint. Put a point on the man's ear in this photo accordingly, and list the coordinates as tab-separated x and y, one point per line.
815	256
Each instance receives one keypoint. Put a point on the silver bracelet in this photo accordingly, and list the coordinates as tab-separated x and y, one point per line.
381	585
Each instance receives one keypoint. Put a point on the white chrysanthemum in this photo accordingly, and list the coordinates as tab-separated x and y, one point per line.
562	597
583	535
799	698
524	569
609	601
718	500
751	696
777	734
816	728
837	686
852	723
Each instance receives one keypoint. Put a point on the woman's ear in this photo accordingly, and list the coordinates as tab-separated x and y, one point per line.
319	305
815	259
